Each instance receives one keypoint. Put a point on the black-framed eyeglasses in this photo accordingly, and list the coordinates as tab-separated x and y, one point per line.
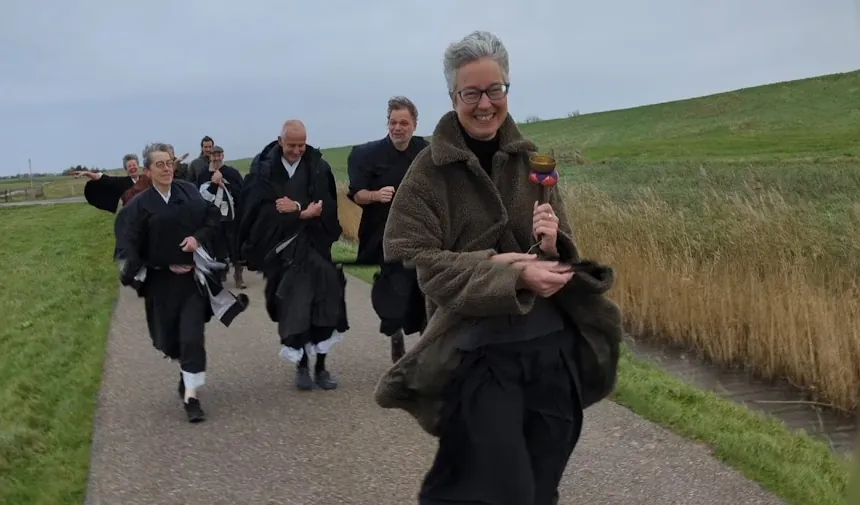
472	96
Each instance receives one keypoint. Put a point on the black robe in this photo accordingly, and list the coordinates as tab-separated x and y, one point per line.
396	296
227	244
304	288
105	192
148	232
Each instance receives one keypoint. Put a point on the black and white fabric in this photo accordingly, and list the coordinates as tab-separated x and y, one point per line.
225	305
221	198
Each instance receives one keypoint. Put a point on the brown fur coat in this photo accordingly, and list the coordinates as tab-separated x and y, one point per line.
447	218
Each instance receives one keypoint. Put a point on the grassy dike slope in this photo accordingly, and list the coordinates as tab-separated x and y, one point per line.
59	290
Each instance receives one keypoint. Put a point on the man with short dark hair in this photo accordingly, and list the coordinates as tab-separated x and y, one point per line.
201	164
375	172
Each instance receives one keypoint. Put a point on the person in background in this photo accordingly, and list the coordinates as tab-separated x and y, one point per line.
162	236
180	169
288	225
105	192
222	184
376	170
516	344
200	164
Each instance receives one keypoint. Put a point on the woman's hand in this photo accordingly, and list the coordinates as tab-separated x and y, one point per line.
180	269
545	278
545	228
189	244
93	176
513	258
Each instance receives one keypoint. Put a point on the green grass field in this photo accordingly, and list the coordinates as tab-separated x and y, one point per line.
60	288
684	186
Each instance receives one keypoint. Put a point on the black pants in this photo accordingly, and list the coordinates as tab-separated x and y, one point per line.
176	317
397	300
510	425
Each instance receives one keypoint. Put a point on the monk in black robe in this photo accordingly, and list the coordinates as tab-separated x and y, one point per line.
160	238
287	228
376	170
222	185
104	191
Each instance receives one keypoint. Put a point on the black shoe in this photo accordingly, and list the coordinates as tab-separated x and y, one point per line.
324	380
303	379
398	347
194	411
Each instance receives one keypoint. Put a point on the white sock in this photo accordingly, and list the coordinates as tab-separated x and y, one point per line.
190	393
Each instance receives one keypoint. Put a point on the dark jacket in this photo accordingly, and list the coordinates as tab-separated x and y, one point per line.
196	167
372	166
180	171
447	219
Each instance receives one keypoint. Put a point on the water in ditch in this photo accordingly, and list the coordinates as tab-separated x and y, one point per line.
777	398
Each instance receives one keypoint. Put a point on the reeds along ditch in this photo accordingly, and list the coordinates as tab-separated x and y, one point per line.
749	282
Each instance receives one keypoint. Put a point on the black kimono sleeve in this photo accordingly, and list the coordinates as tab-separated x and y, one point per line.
261	226
181	172
105	192
130	232
210	225
329	220
234	177
358	171
202	178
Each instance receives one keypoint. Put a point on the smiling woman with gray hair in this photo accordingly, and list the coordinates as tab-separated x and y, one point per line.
516	344
104	191
161	239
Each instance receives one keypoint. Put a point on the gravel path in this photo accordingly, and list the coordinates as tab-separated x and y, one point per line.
266	443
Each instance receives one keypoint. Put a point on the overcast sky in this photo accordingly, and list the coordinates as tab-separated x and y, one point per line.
87	81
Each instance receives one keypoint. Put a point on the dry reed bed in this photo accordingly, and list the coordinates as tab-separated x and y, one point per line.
747	282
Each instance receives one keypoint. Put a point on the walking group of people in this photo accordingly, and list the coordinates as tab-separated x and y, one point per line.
514	345
280	219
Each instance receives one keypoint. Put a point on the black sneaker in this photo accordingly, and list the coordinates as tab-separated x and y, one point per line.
324	380
303	379
398	347
194	411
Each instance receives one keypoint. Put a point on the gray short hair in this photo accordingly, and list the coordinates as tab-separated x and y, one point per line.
150	149
127	158
475	46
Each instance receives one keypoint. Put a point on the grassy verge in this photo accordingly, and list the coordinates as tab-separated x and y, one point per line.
794	466
59	291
